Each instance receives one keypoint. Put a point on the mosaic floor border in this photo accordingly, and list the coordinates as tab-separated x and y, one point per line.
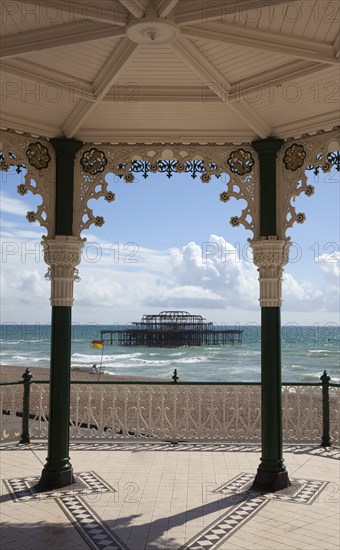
226	525
89	525
213	535
244	504
85	483
301	491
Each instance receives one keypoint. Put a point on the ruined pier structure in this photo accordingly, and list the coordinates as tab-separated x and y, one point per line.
172	329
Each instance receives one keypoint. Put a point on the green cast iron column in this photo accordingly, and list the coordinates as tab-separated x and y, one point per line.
271	474
58	471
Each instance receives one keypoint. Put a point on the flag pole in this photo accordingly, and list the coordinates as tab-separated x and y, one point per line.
101	361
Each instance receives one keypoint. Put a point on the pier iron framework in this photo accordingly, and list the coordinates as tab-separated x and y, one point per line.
170	329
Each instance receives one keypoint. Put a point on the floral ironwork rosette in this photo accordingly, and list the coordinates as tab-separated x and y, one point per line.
38	155
294	157
241	162
93	161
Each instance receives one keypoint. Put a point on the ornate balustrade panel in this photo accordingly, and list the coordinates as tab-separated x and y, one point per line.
334	413
175	413
11	411
39	408
11	404
172	412
302	413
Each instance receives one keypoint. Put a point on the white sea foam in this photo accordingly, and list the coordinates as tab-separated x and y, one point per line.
325	351
212	363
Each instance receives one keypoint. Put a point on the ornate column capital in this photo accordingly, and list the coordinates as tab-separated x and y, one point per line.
62	254
270	255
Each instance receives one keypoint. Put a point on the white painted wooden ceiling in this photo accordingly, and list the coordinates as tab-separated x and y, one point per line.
238	70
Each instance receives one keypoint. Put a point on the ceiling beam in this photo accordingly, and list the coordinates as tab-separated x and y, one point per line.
309	125
202	67
13	121
156	135
165	7
75	87
135	7
53	37
246	88
87	11
26	70
212	79
211	11
253	38
169	94
336	47
105	79
275	77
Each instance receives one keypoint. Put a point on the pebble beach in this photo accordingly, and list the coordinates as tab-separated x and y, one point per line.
13	373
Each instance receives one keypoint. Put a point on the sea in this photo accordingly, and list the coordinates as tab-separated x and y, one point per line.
306	352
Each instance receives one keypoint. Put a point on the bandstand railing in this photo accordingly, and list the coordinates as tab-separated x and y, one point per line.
167	411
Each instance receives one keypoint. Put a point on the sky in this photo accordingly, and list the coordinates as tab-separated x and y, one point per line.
168	244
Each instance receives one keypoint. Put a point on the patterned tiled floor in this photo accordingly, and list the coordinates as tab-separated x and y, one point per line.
159	496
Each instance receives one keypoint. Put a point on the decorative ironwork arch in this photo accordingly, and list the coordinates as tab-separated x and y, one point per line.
129	161
37	157
318	152
310	153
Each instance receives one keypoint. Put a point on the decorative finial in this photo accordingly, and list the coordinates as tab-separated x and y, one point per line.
175	377
325	378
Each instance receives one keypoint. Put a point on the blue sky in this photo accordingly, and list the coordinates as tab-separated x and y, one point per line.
168	244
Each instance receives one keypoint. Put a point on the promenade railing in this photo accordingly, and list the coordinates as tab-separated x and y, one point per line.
167	411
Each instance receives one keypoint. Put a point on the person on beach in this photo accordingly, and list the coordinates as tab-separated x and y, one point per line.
93	369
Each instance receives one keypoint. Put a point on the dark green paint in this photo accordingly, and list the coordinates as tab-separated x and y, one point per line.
271	402
66	150
58	435
326	439
25	435
267	150
271	474
57	471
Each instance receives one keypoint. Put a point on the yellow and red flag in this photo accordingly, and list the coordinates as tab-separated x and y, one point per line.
97	344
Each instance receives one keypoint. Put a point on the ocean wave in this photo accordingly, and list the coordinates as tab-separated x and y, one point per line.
310	377
325	351
299	367
154	362
91	357
34	341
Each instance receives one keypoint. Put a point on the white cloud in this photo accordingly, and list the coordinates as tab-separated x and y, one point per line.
208	278
216	266
301	296
12	206
330	265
